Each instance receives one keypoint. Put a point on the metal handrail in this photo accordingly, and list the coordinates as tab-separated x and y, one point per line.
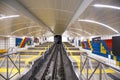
7	54
85	54
100	65
7	57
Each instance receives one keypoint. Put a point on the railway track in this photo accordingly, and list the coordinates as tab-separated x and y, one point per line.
55	70
56	66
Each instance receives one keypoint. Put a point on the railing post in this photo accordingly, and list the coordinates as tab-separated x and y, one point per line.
87	67
7	68
100	68
19	62
80	67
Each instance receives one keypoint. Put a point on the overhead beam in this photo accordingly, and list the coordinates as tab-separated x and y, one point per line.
79	11
22	8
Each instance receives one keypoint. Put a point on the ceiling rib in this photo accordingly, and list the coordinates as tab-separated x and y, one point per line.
79	11
75	33
86	32
18	6
22	29
34	32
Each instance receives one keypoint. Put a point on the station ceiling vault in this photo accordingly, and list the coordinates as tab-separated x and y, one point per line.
54	17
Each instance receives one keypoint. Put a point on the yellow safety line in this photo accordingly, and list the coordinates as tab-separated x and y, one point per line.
73	51
33	51
30	59
33	57
4	70
76	59
65	46
98	71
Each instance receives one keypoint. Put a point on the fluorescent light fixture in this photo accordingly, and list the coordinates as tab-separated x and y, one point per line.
106	6
11	16
95	22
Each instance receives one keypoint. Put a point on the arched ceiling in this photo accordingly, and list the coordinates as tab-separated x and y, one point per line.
95	18
51	17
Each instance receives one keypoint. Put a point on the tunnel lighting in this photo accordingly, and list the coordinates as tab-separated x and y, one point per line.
91	21
106	6
11	16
